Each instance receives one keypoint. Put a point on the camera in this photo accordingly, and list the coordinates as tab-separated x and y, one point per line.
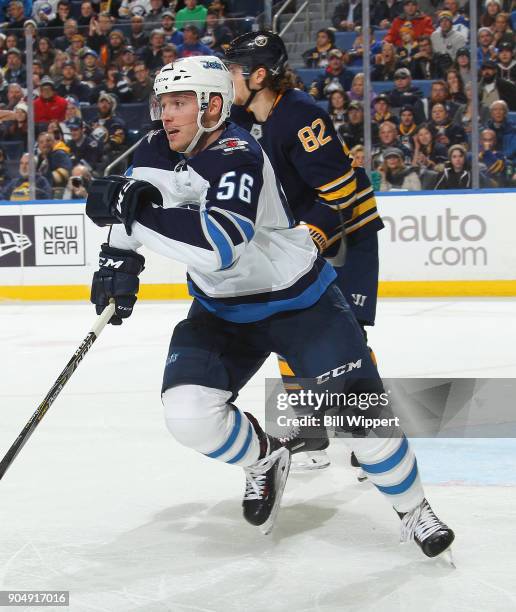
77	181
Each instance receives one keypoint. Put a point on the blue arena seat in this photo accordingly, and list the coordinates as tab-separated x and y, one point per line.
308	75
136	116
381	86
345	40
379	34
512	117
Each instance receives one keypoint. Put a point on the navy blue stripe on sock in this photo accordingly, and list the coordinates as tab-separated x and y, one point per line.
389	463
232	437
403	486
245	447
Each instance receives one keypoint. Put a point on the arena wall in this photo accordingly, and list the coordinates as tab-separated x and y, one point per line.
434	244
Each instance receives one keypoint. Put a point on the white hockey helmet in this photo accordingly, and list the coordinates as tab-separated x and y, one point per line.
202	74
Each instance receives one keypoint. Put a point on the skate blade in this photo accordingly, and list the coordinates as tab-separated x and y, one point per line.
313	460
446	555
285	460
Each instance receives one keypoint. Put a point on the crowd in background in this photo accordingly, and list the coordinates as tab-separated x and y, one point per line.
423	141
93	61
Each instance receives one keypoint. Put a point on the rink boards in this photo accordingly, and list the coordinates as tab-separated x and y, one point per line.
456	243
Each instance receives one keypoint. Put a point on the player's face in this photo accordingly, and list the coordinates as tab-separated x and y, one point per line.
179	117
241	90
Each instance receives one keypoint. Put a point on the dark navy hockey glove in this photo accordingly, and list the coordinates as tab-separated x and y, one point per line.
117	278
118	199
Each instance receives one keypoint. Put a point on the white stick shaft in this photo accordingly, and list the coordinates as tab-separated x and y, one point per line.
103	319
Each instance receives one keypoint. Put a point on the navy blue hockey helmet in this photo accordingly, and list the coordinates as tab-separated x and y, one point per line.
256	49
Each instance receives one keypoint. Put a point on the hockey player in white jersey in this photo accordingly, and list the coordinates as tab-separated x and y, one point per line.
202	191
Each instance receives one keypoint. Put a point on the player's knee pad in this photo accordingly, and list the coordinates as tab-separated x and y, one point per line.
202	419
197	416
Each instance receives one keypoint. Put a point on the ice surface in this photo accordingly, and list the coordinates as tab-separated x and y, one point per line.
104	503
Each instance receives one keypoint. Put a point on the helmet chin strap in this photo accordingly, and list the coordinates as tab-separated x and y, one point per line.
203	105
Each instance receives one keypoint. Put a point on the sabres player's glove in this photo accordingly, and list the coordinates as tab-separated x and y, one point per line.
118	199
317	235
117	279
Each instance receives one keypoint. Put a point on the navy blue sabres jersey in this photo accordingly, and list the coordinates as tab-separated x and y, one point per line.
314	170
225	217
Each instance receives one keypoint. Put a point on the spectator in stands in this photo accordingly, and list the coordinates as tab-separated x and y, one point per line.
463	65
172	34
154	14
127	63
45	53
460	22
357	154
54	128
78	183
109	127
407	127
356	91
42	13
463	115
421	23
384	12
3	90
15	70
48	105
191	43
382	111
76	49
352	132
55	26
503	128
142	86
494	166
318	56
15	95
87	14
502	29
395	174
445	131
54	164
486	48
91	73
388	137
71	84
488	16
456	174
14	126
506	67
3	171
386	63
56	70
98	35
336	76
169	54
347	15
12	41
445	39
409	46
215	34
116	45
429	156
115	84
70	28
83	148
338	103
426	64
152	55
404	93
17	189
138	37
438	94
455	86
16	14
73	110
492	88
191	14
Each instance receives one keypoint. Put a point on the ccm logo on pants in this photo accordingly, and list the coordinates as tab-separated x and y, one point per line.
343	369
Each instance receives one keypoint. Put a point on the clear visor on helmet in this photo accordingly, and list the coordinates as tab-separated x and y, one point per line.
154	107
233	65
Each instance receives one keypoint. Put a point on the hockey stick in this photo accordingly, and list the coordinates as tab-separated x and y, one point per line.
57	387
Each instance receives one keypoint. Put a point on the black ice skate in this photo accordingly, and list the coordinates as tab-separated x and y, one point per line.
265	482
431	534
308	451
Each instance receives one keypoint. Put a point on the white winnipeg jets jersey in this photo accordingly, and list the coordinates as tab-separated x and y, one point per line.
225	216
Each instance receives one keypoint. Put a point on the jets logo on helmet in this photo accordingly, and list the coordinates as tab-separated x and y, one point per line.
203	75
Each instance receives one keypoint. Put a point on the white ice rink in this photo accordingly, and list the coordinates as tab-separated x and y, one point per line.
103	502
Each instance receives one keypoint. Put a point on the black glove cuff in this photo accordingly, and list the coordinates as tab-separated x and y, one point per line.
120	260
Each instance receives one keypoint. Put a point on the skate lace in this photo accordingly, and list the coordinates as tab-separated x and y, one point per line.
419	523
256	475
292	435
